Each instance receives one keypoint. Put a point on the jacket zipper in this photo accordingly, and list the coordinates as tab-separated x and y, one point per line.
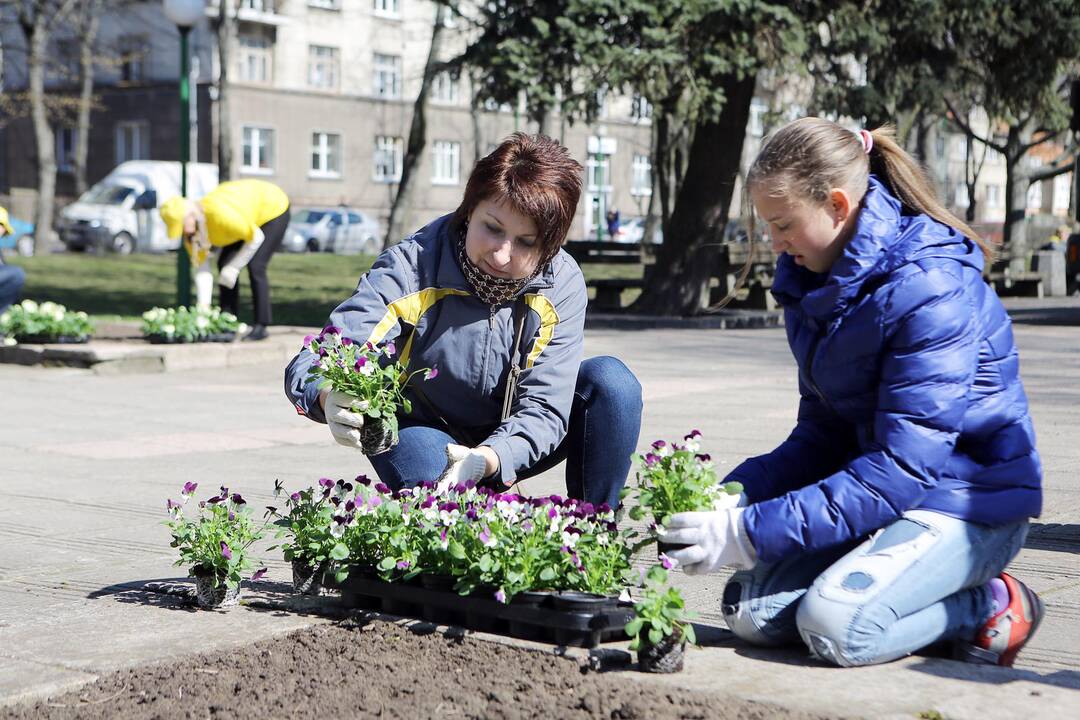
810	375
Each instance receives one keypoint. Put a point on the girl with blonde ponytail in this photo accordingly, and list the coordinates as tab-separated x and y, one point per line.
884	522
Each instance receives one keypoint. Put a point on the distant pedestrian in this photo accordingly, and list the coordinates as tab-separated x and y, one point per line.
612	218
12	278
883	523
247	220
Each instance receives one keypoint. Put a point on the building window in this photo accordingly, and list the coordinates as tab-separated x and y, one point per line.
325	4
602	102
757	117
323	66
255	59
960	196
388	8
642	180
325	155
640	108
133	57
444	89
445	163
388	154
1035	196
258	150
387	76
260	6
132	141
65	149
993	196
1062	191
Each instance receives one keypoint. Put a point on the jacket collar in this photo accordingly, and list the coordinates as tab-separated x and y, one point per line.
449	274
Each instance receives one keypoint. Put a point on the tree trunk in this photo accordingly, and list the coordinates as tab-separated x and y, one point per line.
91	19
661	162
225	29
417	139
679	284
38	39
651	219
543	121
474	115
1015	245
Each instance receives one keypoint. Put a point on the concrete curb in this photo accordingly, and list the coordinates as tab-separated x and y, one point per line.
129	353
723	320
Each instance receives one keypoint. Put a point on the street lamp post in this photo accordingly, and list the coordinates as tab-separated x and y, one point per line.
184	14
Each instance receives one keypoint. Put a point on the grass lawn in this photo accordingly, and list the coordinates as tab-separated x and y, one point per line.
304	288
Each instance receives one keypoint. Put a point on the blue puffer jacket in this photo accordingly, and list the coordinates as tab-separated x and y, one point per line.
911	396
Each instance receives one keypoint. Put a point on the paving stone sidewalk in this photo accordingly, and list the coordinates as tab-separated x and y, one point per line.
89	458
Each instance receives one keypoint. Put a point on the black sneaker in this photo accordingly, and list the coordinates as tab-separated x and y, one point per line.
258	332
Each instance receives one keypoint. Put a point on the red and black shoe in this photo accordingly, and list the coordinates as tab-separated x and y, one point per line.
1001	638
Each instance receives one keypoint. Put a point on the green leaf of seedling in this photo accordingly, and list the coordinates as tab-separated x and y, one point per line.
547	574
655	636
689	634
339	551
634	626
387	563
341	574
456	550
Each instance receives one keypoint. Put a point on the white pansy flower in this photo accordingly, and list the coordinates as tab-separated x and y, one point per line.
29	306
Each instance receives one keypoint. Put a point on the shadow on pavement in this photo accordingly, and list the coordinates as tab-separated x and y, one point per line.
953	670
1056	311
1053	536
263	596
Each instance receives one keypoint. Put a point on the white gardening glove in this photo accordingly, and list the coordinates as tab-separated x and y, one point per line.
727	501
204	286
228	276
344	423
716	538
462	464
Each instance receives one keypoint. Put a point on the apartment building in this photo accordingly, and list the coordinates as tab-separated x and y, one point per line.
321	95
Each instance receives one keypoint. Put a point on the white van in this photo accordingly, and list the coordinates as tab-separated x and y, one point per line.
120	213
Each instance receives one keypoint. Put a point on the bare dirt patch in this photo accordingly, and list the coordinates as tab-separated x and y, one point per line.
376	669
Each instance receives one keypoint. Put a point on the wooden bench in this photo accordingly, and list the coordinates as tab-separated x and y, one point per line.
1026	283
591	251
609	291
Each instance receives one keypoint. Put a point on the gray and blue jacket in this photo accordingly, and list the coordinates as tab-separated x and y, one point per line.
416	295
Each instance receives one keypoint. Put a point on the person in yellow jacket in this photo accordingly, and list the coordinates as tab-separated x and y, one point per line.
247	220
12	277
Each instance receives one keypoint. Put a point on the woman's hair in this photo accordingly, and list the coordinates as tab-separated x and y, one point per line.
538	177
810	156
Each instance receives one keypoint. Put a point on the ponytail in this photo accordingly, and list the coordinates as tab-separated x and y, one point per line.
910	185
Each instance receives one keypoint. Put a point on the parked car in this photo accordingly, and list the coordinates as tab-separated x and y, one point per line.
632	230
342	230
120	213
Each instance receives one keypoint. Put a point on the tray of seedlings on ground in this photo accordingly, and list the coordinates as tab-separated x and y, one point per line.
541	568
170	326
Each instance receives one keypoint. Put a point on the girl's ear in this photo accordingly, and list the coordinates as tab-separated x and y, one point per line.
840	205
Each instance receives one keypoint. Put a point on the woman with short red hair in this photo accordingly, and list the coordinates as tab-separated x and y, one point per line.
488	296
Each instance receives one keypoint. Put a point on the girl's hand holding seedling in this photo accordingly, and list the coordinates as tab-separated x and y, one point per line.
716	538
464	464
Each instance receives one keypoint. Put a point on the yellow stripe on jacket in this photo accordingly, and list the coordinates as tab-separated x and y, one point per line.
549	318
408	310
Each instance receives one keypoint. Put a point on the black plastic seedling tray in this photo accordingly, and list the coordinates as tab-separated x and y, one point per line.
530	616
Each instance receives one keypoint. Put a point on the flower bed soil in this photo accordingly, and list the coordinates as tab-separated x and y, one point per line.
368	669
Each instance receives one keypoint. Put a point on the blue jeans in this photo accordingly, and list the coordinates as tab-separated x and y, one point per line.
605	419
918	581
11	283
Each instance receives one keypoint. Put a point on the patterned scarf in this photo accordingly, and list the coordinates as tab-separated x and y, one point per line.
492	290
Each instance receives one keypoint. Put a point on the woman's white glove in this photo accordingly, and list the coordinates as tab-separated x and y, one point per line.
716	538
462	464
343	416
228	276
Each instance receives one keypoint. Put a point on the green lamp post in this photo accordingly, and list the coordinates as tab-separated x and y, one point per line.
184	14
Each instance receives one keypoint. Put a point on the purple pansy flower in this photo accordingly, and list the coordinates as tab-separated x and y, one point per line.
258	574
651	459
659	444
295	497
326	482
500	596
704	457
432	374
238	500
346	341
666	561
331	330
190	487
225	551
382	488
362	480
391	348
402	564
171	505
693	434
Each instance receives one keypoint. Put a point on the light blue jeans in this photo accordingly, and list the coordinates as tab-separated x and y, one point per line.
917	581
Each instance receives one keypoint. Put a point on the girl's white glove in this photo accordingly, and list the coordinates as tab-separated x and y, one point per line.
344	418
462	464
716	538
726	501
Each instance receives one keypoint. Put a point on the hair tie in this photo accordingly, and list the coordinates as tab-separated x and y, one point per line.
867	141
